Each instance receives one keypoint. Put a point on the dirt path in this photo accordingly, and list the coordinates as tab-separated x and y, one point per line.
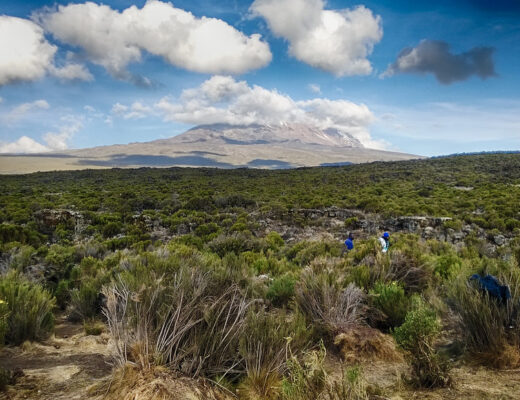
61	368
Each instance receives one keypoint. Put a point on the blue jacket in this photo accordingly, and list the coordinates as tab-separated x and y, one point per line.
349	243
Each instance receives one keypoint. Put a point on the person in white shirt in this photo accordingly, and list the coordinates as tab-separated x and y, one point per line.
385	242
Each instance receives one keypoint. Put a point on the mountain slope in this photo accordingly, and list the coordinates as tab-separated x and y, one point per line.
218	145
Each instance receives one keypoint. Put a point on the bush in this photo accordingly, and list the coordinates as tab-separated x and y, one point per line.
30	309
281	290
85	302
491	329
62	294
333	308
390	299
416	336
93	327
4	314
267	340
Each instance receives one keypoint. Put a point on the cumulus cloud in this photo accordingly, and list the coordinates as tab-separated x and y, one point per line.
135	111
432	56
59	140
53	140
337	41
115	39
22	110
25	54
23	145
222	99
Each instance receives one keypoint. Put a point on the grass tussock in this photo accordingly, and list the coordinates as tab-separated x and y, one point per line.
365	343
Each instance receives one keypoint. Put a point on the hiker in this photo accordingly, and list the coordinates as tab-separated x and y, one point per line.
385	242
490	284
349	244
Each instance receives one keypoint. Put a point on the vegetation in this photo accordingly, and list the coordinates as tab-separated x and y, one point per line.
238	276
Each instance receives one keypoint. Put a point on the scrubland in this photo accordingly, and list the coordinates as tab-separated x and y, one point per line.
203	283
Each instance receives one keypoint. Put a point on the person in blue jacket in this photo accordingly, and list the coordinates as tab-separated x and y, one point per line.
349	243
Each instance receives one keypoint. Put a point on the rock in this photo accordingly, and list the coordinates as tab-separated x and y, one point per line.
499	240
429	232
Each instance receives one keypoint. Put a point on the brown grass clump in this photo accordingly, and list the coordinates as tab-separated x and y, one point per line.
366	343
508	357
158	383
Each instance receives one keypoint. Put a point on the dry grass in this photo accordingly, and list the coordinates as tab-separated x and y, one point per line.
365	343
157	383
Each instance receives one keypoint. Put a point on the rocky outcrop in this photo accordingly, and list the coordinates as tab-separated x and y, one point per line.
47	220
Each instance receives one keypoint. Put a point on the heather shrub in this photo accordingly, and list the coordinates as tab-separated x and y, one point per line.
4	314
85	301
30	309
281	290
417	336
390	299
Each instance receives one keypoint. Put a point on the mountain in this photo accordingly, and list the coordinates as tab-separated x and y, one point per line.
219	145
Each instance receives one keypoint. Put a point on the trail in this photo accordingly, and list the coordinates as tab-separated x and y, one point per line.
63	367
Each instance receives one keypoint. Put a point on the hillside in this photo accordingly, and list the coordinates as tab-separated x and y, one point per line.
219	145
213	283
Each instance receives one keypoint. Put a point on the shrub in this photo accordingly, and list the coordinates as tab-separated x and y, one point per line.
360	276
306	376
491	329
93	327
30	309
352	386
62	294
281	290
4	314
237	243
265	344
333	308
416	336
390	299
85	302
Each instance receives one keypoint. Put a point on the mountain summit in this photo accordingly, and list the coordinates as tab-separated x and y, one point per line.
287	133
285	145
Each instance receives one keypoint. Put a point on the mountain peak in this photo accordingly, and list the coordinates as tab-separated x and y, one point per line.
285	132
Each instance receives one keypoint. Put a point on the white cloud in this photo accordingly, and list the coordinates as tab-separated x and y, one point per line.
59	140
337	41
25	54
53	140
314	88
22	110
135	111
222	99
71	71
23	145
115	39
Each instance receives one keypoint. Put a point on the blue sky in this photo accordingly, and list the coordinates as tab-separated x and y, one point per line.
419	77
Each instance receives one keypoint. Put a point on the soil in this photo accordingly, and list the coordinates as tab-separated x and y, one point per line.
70	364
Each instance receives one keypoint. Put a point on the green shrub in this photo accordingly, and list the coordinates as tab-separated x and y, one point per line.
93	327
85	301
4	315
390	299
30	309
274	241
264	345
360	276
62	294
417	336
281	290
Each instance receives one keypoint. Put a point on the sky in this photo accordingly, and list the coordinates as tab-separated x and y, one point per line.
428	78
